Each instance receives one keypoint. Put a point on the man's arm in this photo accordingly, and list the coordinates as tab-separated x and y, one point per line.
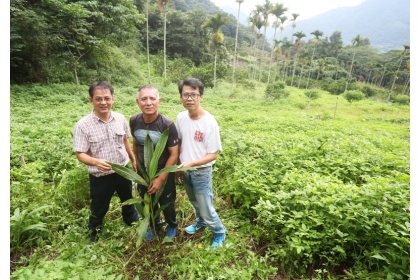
206	159
99	163
130	153
158	181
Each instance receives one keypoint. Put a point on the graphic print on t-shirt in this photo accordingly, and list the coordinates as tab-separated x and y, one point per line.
140	135
198	136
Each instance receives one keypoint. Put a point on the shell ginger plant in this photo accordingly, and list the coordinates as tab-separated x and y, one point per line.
145	205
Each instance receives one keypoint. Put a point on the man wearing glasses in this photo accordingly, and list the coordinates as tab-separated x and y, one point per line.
199	142
99	137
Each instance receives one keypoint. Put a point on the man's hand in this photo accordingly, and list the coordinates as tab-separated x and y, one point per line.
134	164
155	185
103	166
179	176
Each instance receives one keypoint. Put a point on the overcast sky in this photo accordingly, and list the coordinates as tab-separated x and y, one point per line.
305	8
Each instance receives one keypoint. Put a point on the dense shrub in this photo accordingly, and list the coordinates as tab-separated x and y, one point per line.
177	68
336	87
312	94
369	91
276	90
401	99
353	95
204	73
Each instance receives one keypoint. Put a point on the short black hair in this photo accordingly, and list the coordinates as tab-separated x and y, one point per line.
100	85
192	82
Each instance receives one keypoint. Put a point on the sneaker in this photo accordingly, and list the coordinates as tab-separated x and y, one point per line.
93	237
150	234
170	232
194	228
218	240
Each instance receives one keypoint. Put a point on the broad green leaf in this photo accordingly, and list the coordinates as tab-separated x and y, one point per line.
160	146
38	209
146	199
139	208
161	208
159	192
143	172
148	152
380	257
128	173
133	201
174	168
40	226
167	239
142	230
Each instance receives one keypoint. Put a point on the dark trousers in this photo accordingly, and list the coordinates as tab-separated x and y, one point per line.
168	196
101	191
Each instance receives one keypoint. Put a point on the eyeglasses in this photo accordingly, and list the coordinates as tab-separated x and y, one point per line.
106	99
192	95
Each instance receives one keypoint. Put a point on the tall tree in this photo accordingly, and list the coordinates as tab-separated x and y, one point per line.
402	55
299	35
278	10
162	6
294	17
265	11
286	45
277	52
356	42
236	44
256	21
217	37
317	34
147	41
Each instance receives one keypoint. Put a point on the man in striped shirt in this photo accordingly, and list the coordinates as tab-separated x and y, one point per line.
99	137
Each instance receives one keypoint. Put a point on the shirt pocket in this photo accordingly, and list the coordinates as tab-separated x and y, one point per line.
97	143
119	138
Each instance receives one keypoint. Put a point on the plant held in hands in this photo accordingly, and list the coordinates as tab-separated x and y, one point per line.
145	205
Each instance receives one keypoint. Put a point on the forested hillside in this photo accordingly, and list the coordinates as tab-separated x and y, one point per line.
81	41
314	178
385	23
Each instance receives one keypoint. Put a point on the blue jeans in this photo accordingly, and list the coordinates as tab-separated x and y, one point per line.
198	185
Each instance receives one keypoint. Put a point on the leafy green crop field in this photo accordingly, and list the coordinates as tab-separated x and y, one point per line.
307	190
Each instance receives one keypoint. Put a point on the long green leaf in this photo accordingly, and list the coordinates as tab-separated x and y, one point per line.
160	146
174	168
161	208
38	209
139	208
40	226
148	152
143	172
128	173
159	192
132	201
142	230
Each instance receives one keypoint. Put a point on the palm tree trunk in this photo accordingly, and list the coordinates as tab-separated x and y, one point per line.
262	53
310	68
215	62
406	85
164	49
236	45
271	57
294	69
147	41
351	68
300	77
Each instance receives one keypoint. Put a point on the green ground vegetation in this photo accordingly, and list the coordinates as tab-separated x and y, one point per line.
308	188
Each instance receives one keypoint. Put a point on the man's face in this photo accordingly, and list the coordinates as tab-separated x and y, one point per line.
191	98
148	101
102	101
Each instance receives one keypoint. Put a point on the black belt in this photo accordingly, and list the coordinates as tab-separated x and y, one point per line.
201	168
